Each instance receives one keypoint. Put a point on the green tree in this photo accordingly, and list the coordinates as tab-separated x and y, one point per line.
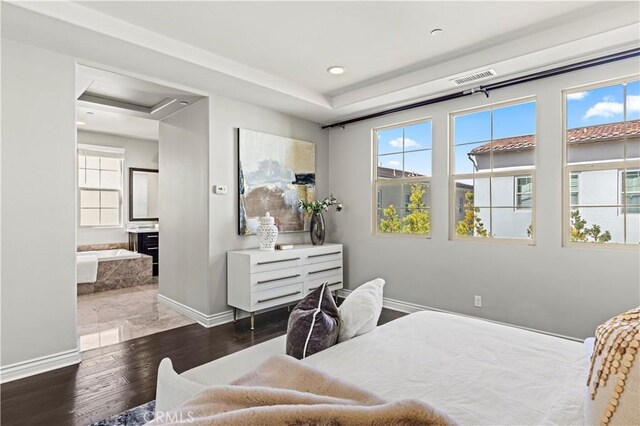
471	224
417	220
580	232
390	221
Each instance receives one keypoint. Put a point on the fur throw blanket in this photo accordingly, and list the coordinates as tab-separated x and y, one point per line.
285	391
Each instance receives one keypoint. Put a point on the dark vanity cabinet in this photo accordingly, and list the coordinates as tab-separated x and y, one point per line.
146	243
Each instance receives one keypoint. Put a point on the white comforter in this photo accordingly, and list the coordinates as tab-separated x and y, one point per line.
477	372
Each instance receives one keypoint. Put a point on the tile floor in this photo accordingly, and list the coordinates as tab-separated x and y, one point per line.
114	316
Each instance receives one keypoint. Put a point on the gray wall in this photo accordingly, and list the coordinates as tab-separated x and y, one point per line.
183	208
563	290
226	116
138	153
38	204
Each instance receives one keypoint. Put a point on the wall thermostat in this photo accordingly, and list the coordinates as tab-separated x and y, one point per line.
219	189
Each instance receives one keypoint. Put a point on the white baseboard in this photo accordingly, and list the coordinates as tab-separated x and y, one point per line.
409	308
202	319
23	369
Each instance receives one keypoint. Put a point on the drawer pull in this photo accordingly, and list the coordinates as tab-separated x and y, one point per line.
328	285
278	279
152	248
278	261
324	254
151	236
325	270
279	297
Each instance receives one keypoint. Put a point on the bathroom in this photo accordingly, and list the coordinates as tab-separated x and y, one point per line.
118	188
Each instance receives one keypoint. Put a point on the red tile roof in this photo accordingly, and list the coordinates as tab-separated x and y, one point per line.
578	135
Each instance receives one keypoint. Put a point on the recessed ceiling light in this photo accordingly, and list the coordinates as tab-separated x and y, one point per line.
437	31
184	103
335	70
80	123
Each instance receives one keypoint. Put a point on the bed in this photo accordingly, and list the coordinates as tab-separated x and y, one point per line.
475	371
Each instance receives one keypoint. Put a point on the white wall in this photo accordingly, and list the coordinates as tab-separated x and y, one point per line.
140	153
183	206
564	290
38	204
226	115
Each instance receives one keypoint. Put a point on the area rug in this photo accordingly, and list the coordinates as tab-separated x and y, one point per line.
134	417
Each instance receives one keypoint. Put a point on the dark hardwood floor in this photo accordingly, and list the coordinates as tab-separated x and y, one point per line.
115	378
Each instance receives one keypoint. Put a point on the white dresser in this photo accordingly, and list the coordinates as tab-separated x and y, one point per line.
259	280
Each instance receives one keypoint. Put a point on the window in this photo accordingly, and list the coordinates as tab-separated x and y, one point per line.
402	180
524	192
602	163
492	164
100	181
631	191
574	189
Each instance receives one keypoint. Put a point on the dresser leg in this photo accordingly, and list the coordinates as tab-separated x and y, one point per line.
253	321
235	314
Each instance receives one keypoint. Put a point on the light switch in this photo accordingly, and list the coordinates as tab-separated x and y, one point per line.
219	189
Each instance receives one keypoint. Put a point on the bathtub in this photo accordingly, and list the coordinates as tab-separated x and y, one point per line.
115	254
104	270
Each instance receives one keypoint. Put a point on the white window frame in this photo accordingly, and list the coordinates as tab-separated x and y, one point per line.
569	169
515	173
96	151
378	183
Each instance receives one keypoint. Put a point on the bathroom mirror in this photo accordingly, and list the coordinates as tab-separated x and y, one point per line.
143	194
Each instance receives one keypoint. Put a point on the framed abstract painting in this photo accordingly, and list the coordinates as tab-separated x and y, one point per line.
274	172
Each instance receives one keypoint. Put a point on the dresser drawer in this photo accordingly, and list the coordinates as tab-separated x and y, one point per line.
276	278
270	261
151	251
322	270
276	296
325	254
335	283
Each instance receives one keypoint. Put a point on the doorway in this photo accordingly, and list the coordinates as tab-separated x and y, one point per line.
118	206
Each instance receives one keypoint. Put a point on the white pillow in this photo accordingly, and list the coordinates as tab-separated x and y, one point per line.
360	311
172	389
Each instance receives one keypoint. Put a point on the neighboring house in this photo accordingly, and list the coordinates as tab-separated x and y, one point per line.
591	191
395	196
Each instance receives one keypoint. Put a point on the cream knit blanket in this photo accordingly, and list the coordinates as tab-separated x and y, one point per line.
285	391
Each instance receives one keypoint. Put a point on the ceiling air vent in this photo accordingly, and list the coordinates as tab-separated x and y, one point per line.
480	75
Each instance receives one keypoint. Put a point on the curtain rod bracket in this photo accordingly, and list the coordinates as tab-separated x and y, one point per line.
475	90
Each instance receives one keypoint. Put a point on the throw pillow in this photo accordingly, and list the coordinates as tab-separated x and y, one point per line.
613	386
313	324
172	389
360	311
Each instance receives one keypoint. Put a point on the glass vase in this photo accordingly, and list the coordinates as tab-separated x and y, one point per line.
317	229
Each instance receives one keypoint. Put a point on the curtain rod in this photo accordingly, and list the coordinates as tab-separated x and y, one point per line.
619	56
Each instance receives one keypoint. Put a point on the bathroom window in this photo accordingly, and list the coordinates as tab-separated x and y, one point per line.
100	182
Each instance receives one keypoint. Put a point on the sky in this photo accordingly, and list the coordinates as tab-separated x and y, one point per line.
603	105
587	108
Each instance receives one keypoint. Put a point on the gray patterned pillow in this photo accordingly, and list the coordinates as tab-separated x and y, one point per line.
314	324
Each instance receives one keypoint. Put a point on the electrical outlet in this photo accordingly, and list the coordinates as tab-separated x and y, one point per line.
477	301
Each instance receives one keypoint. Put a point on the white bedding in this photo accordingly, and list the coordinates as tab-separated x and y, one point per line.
475	371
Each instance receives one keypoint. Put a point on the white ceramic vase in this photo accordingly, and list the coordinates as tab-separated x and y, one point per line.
267	233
